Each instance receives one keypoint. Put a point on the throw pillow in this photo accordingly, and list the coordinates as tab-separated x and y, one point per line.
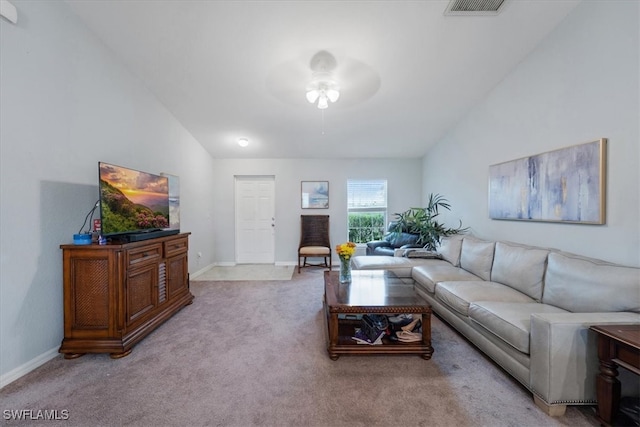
421	253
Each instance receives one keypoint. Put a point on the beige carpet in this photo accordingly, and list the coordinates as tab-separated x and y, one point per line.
244	272
254	354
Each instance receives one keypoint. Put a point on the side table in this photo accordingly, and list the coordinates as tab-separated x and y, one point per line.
618	345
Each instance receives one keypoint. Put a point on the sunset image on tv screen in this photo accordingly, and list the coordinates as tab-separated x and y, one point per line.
132	200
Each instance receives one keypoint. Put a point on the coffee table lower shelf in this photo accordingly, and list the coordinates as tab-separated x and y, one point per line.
343	343
346	345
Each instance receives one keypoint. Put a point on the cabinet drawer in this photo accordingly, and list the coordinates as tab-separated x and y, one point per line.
144	255
175	247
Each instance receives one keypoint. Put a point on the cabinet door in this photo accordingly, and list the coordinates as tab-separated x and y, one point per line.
141	292
91	278
177	276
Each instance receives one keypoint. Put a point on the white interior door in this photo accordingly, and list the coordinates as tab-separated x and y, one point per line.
255	219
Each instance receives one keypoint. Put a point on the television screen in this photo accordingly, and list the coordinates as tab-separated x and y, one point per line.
131	200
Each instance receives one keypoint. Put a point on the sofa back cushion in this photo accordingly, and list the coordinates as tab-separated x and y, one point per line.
520	267
476	257
584	285
449	249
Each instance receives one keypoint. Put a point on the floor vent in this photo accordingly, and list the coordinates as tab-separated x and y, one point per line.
474	7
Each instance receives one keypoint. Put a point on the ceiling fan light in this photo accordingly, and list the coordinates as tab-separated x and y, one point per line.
333	95
312	95
322	102
243	142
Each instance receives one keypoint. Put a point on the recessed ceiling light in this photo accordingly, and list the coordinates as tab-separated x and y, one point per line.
243	142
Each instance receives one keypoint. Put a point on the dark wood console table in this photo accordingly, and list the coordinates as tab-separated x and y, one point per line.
618	345
116	294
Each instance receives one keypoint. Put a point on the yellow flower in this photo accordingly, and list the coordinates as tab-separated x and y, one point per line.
346	250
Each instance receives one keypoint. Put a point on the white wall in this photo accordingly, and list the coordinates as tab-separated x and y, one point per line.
66	104
403	186
579	85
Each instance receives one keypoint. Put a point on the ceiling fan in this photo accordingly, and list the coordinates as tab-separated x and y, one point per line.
323	87
323	78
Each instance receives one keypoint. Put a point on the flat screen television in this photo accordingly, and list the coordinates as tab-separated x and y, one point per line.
132	202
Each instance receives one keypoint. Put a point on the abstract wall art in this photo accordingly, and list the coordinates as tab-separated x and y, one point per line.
564	185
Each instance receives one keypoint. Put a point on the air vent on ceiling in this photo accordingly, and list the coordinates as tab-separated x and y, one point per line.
474	7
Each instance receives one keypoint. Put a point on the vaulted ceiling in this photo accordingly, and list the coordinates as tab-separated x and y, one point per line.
229	69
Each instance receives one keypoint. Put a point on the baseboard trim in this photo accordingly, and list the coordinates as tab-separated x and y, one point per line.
24	369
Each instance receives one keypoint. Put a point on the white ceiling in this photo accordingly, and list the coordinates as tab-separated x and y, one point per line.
230	69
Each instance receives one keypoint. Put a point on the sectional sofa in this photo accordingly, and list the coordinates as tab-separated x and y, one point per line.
528	308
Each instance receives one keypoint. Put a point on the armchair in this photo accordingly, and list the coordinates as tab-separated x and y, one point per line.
392	241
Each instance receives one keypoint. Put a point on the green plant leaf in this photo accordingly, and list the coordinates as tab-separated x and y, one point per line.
421	221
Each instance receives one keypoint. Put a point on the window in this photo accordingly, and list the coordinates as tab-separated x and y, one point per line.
366	209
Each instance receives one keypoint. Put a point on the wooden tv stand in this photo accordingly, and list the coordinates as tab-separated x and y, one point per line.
116	294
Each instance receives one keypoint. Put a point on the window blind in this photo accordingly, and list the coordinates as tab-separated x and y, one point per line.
366	194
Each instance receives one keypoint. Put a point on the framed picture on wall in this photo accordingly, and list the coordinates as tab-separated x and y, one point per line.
315	194
564	185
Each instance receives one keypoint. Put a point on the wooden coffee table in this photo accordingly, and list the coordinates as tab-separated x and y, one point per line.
371	292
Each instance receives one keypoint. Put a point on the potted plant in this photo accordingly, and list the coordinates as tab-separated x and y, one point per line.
422	222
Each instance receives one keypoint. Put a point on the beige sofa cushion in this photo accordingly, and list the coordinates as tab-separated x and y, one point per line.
520	267
459	295
449	249
509	321
427	276
584	285
401	266
476	257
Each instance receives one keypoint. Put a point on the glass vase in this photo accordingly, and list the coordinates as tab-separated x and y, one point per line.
345	270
